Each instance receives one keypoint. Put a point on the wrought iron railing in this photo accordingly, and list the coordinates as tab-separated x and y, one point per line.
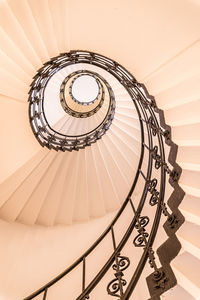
48	136
154	172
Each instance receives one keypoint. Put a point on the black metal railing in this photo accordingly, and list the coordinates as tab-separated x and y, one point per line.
154	173
45	134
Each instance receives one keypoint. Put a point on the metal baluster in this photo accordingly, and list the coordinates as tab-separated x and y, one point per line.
45	294
132	205
83	279
116	267
115	287
142	174
113	238
146	146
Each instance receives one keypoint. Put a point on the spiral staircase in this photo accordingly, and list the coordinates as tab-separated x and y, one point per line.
92	202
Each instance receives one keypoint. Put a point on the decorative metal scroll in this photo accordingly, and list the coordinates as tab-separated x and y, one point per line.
115	287
147	212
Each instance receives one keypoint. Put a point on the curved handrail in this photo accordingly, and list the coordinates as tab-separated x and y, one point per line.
157	133
86	253
56	138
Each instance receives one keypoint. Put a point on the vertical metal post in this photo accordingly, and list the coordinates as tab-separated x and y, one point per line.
83	278
45	294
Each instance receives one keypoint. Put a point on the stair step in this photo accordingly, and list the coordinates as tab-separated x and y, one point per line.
65	210
190	166
106	181
177	293
31	209
8	65
128	111
187	142
127	120
51	203
182	93
186	132
7	46
190	208
190	190
179	116
119	155
120	182
186	268
15	203
189	236
190	178
81	204
25	18
43	20
19	90
18	136
189	154
180	65
58	14
10	185
131	138
15	32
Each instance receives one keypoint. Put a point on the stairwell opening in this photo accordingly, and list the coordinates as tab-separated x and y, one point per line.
85	89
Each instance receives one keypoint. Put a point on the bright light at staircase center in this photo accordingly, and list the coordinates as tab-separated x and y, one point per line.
85	89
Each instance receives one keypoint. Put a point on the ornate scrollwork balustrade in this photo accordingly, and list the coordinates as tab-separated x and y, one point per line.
154	173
